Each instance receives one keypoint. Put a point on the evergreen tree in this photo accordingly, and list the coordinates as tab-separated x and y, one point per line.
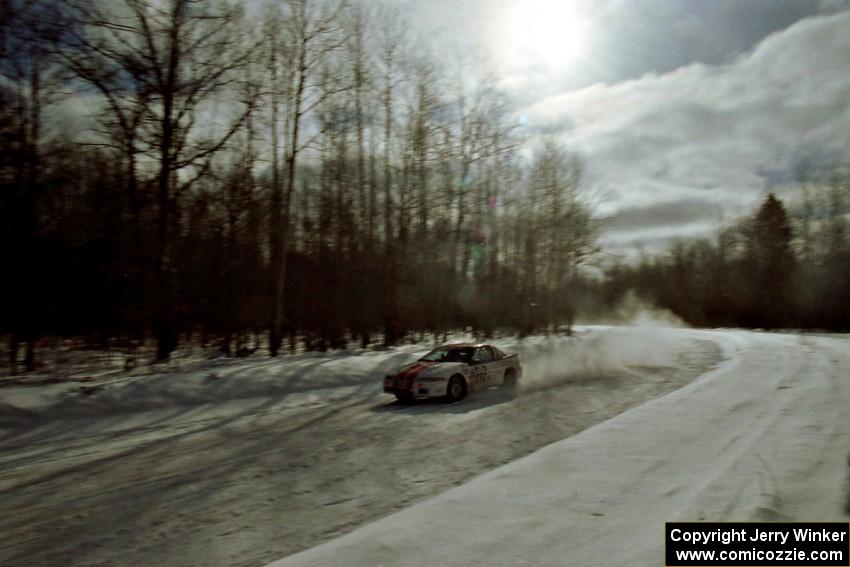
773	265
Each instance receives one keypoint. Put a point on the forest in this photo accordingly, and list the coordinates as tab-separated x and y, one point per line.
303	173
312	174
779	267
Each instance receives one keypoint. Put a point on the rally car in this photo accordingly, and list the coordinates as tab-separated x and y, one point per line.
452	371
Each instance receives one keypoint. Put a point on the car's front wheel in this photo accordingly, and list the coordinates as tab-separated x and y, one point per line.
456	389
405	399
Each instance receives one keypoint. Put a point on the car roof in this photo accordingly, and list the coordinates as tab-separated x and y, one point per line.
463	345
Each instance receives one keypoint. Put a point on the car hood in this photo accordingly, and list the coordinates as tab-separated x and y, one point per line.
424	369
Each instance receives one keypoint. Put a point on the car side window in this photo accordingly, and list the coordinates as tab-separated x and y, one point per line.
496	353
482	355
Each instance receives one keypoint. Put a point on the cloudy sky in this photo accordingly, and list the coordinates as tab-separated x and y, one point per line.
687	110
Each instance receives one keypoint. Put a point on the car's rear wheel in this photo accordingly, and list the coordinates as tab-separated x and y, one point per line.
456	390
510	378
404	398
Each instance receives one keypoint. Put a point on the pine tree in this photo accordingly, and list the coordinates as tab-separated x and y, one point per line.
772	264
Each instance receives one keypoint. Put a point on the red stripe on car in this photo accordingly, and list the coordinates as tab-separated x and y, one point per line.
409	373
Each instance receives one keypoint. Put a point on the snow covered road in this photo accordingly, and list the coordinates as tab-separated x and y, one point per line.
240	462
763	436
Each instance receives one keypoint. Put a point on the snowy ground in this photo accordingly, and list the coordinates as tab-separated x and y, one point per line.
238	463
764	436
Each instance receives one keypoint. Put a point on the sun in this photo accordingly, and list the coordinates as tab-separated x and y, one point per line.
548	32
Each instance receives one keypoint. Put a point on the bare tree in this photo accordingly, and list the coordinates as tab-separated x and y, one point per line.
169	61
391	47
313	32
29	85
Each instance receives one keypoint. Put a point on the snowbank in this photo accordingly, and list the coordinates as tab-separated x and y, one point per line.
307	376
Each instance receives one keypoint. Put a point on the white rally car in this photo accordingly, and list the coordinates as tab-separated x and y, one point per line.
452	371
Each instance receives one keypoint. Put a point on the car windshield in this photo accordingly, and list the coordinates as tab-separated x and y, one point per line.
449	354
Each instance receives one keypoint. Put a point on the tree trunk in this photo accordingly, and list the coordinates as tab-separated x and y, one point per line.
291	161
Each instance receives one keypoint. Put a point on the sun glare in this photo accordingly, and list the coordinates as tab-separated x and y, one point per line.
543	31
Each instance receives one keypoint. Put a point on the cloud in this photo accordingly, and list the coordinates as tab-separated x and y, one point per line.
673	214
625	40
712	134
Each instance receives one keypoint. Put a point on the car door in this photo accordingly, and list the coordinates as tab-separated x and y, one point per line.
479	368
492	365
496	368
